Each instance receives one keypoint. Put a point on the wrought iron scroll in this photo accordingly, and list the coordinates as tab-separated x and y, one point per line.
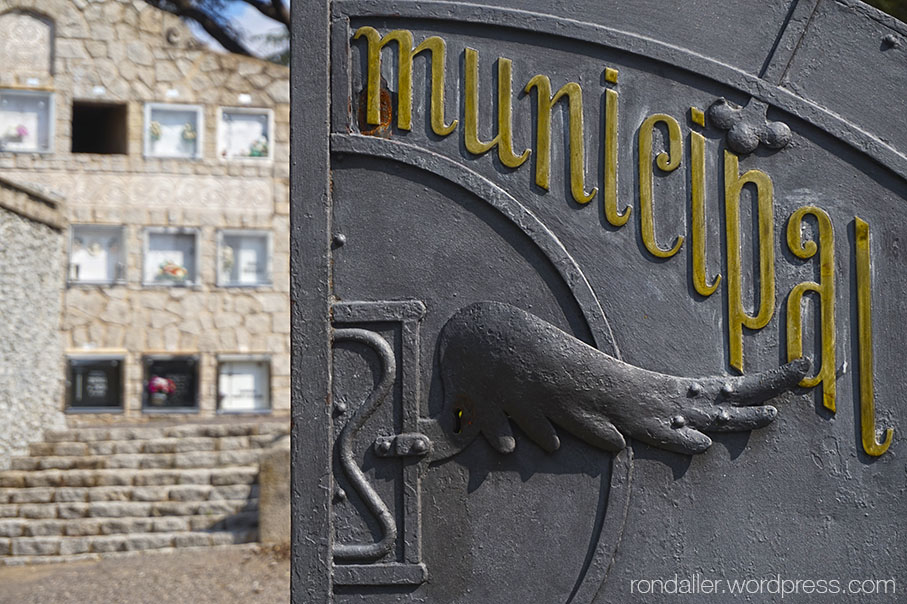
370	551
351	568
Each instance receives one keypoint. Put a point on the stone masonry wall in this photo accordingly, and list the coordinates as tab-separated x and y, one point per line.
125	51
31	368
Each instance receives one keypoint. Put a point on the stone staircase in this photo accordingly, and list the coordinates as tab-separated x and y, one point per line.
96	491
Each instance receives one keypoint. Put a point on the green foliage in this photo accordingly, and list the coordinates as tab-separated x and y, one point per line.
895	8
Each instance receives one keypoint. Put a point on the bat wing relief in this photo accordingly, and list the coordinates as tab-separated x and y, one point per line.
500	364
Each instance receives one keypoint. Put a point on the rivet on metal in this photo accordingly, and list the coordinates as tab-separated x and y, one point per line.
727	388
695	389
340	407
724	417
339	494
339	239
678	421
890	41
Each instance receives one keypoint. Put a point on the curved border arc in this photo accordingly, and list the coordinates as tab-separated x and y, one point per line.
648	48
596	568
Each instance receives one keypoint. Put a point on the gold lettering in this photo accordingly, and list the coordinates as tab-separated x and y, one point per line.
405	53
825	289
864	324
574	95
697	210
612	214
504	138
737	315
666	162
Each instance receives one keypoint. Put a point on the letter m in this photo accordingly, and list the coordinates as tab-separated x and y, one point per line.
405	55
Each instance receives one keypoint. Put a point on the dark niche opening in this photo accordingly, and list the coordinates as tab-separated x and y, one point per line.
99	128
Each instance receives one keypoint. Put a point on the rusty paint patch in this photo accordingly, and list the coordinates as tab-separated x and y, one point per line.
383	129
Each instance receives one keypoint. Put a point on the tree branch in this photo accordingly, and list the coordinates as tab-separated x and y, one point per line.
219	31
274	9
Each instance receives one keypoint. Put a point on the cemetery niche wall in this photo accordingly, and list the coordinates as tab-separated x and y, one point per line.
593	299
173	160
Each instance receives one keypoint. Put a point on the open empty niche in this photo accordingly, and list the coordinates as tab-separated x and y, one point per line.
99	128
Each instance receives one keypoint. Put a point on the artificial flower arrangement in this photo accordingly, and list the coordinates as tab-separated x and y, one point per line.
168	270
162	385
16	134
259	148
227	258
189	133
160	388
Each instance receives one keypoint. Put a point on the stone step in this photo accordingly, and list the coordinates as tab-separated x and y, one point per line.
83	527
210	430
10	549
221	476
154	445
124	509
250	546
11	528
132	461
127	493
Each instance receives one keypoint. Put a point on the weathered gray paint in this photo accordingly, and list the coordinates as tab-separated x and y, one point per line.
403	232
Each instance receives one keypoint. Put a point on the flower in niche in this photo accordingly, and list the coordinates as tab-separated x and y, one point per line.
158	384
168	270
16	134
227	258
189	133
259	148
154	129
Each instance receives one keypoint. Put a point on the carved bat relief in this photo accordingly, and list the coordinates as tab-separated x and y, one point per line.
500	364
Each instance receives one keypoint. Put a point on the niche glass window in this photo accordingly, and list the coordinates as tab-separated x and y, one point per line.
244	258
244	134
170	257
171	382
25	121
173	131
95	383
96	254
243	385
